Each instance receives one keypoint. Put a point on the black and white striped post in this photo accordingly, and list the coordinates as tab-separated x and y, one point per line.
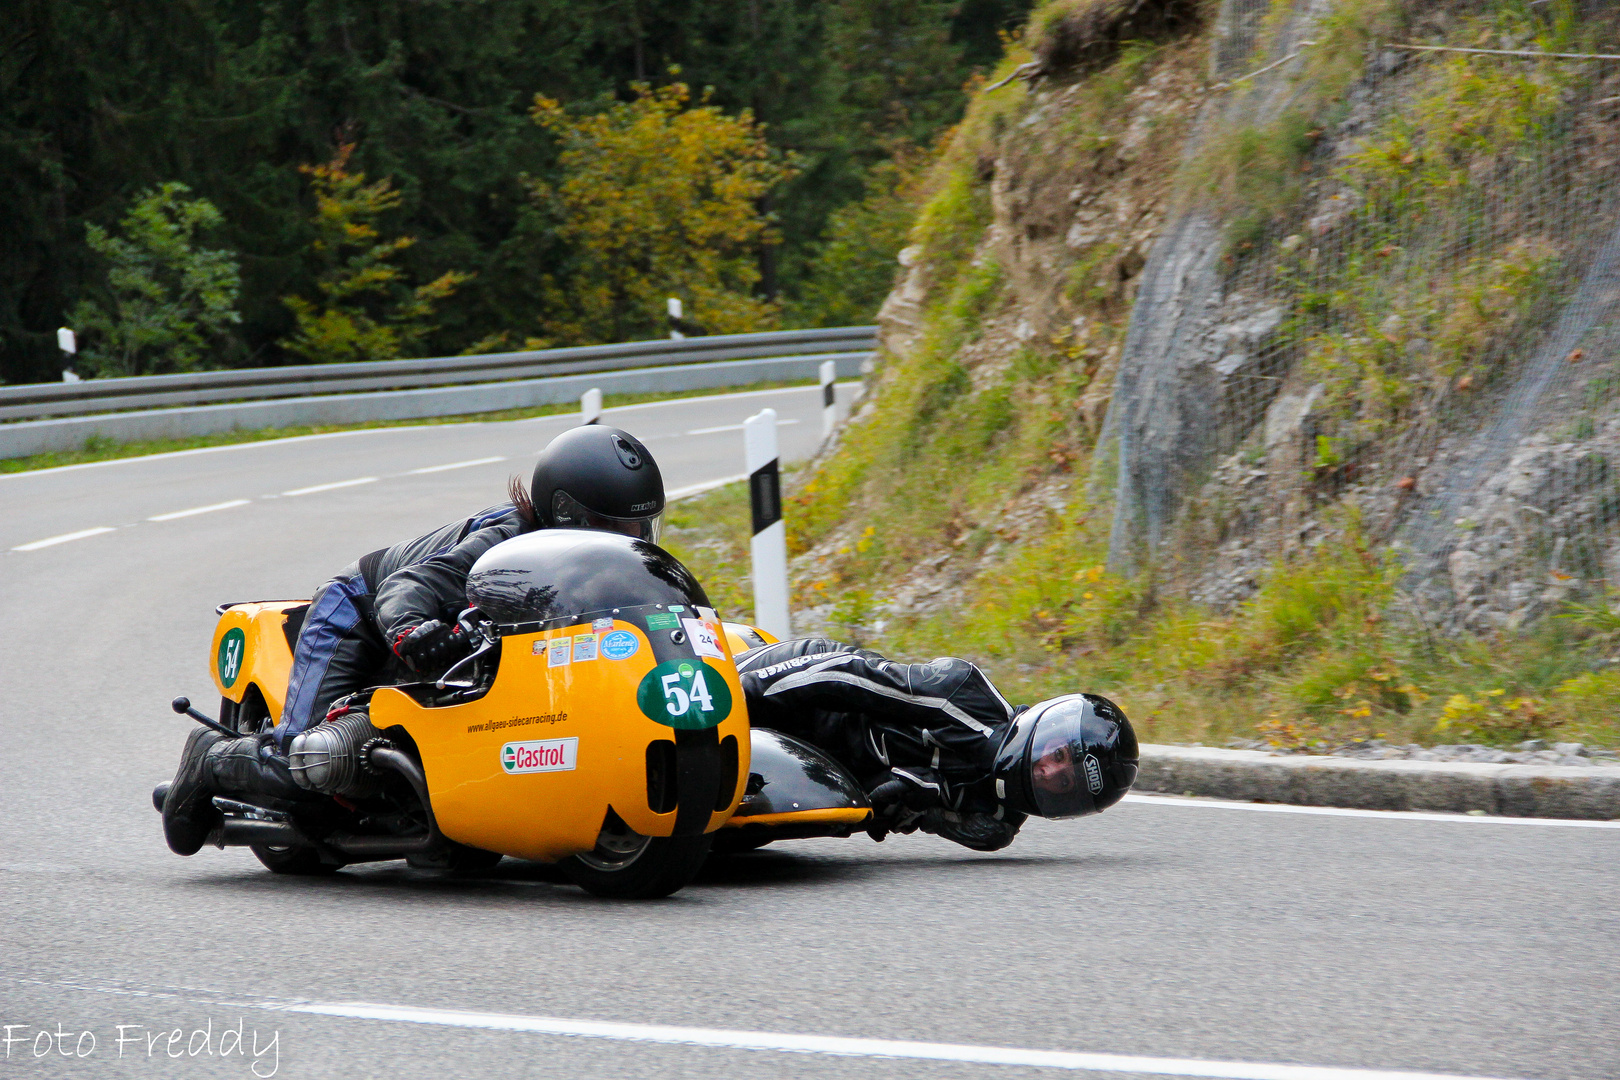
69	345
769	545
590	407
829	398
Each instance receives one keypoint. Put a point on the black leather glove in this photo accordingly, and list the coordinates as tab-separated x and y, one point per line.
429	645
898	803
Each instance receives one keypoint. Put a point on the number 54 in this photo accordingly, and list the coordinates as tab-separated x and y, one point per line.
676	698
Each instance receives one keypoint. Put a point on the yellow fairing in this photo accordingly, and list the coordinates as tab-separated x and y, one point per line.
740	637
536	707
250	649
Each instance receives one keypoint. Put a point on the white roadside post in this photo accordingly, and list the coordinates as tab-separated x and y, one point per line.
70	348
590	407
829	398
674	319
770	534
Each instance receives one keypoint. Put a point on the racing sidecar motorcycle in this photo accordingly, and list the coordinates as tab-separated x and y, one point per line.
599	724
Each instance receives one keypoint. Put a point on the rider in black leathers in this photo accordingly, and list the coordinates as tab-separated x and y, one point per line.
397	608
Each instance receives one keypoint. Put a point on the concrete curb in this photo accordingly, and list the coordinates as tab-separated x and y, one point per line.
1448	786
70	432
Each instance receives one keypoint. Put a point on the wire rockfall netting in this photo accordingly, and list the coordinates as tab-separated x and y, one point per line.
1402	295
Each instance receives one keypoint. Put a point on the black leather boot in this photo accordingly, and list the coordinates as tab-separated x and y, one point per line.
188	814
250	769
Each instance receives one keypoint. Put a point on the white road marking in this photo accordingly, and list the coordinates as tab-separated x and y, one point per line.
1386	815
199	510
51	541
455	465
331	487
697	489
844	1047
732	427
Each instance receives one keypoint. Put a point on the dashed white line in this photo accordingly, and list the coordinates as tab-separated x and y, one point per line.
52	541
733	427
331	487
195	510
455	465
1385	815
868	1048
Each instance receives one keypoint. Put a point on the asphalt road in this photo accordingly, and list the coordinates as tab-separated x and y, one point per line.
1228	939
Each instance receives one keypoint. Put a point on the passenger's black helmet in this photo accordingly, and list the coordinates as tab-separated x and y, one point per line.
1067	757
596	477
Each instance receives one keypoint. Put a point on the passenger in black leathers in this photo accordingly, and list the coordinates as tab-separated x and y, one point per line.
936	745
922	738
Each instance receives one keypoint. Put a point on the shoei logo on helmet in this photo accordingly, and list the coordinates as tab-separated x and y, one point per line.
231	649
553	755
685	694
1094	779
627	453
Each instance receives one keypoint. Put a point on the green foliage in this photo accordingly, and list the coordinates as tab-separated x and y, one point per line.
659	200
853	269
100	101
365	311
166	299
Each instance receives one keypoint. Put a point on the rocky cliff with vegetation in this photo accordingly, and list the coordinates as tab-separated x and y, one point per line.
1254	363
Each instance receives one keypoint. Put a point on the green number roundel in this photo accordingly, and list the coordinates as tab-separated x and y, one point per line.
231	648
685	694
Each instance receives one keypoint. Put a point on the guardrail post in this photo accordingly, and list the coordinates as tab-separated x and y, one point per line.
769	545
70	348
590	407
829	398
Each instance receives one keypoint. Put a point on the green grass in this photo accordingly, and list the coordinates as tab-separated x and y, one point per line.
710	533
100	448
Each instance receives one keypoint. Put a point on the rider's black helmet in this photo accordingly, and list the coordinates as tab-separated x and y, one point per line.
1066	757
596	477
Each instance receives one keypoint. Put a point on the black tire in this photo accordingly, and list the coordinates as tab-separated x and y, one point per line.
302	861
629	866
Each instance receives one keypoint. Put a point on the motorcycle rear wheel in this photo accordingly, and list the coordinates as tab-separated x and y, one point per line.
628	866
302	861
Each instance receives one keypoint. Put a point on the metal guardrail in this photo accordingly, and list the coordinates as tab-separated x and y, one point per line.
37	400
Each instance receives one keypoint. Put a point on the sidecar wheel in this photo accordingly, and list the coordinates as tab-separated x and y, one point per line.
302	861
628	866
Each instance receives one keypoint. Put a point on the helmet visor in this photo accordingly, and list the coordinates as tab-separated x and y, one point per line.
569	513
1067	774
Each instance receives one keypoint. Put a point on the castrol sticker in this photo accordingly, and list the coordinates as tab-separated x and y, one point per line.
705	638
552	755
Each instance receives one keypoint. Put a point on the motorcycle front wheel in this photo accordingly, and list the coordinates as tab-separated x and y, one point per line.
625	865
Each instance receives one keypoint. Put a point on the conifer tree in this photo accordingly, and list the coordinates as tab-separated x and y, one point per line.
165	297
365	311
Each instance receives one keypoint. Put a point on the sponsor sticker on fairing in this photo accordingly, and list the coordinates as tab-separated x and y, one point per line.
602	624
619	645
705	638
551	755
584	647
663	620
559	652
